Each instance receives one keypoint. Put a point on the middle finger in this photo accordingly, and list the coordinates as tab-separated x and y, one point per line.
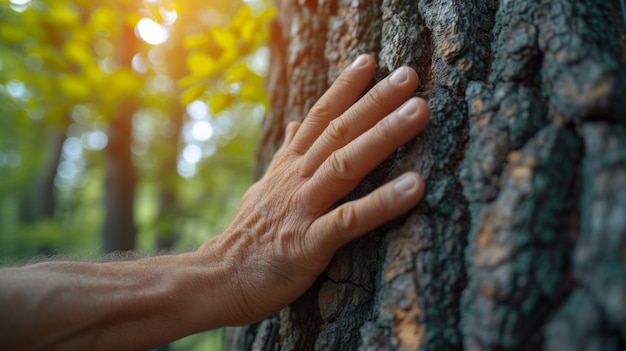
381	100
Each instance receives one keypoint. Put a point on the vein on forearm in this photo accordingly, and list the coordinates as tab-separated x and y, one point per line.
128	304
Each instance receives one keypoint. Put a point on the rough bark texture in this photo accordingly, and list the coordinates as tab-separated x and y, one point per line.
520	242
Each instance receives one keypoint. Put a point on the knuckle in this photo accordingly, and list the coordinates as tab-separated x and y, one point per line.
384	130
322	109
291	128
344	82
346	219
376	98
337	130
380	204
340	165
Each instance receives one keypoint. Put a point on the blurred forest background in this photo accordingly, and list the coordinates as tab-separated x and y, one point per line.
127	124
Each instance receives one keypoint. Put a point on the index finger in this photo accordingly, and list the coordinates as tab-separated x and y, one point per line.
342	94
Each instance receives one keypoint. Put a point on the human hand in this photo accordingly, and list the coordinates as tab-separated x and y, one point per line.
287	229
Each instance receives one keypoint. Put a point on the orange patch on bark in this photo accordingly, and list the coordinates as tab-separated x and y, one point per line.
408	331
477	105
488	252
571	89
521	168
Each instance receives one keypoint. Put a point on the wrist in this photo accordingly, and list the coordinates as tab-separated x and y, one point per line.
218	285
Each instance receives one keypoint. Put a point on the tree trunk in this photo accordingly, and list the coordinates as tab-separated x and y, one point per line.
520	241
168	175
168	172
119	226
40	202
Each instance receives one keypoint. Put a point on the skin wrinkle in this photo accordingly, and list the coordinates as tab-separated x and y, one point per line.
348	220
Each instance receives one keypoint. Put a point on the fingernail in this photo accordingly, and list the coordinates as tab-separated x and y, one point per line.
406	184
360	61
399	76
409	108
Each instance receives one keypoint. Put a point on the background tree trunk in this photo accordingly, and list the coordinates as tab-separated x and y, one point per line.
41	203
520	242
167	232
119	225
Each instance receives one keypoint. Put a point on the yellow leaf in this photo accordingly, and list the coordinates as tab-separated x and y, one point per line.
196	41
227	59
224	38
124	82
252	91
189	80
244	15
247	31
104	21
77	52
220	101
75	88
94	75
63	16
201	64
118	87
267	15
238	73
193	93
131	19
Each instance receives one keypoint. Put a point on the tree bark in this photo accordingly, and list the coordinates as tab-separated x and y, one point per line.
520	241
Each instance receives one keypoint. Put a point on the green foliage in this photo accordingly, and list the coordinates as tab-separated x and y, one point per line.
63	72
44	237
68	50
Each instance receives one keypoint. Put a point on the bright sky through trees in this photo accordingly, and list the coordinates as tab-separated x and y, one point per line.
151	32
19	5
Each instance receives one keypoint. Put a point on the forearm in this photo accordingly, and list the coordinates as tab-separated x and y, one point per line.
116	305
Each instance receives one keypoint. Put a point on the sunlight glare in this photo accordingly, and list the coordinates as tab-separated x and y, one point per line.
10	159
192	154
202	131
18	90
72	148
169	17
186	169
151	32
67	170
95	141
139	64
197	110
19	5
